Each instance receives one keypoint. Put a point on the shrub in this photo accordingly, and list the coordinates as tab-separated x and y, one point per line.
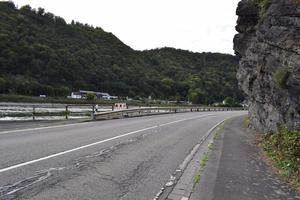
284	149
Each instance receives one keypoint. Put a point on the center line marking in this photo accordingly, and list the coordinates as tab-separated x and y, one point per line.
96	143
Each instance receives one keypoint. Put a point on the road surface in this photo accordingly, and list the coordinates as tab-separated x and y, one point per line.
115	159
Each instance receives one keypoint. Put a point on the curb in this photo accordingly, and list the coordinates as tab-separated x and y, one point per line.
180	185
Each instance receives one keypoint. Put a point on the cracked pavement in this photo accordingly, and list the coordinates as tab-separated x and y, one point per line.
130	167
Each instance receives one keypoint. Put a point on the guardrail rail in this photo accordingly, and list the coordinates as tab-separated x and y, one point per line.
137	112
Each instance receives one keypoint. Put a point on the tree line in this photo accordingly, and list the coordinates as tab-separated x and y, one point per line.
42	54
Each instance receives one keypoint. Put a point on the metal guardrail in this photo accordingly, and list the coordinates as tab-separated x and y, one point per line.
137	112
29	111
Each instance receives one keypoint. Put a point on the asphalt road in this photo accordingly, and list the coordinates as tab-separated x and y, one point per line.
116	159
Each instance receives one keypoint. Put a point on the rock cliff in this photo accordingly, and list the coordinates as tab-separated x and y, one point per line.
268	45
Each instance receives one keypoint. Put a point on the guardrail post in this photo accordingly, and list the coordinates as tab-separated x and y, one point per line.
66	113
33	112
93	112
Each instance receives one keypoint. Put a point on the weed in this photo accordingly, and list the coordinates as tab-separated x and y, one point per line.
203	162
210	146
284	149
247	122
196	178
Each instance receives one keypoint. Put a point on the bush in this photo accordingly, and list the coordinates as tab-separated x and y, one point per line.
284	149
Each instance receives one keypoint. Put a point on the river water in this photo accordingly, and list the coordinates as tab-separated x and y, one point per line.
45	111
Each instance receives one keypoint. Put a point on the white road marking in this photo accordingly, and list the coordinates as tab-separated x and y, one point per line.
96	143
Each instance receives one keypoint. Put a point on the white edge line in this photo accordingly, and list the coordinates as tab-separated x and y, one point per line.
95	143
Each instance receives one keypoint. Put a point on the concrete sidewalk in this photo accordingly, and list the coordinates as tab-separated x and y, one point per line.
236	171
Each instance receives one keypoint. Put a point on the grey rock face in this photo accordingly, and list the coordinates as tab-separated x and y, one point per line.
268	45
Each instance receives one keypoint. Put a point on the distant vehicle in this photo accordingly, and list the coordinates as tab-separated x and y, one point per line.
43	96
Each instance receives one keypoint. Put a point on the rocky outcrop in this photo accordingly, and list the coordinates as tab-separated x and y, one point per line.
268	45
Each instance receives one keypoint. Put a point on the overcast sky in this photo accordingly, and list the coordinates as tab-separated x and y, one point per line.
195	25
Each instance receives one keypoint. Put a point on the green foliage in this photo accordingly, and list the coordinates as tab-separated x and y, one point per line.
197	96
90	96
203	162
280	76
284	149
231	102
210	146
263	6
41	54
247	122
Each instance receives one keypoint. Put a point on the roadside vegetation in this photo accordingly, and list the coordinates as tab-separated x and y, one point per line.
246	121
283	148
203	162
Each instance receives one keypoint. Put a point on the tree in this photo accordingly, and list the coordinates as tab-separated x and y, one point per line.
231	102
41	11
40	53
25	9
197	96
90	96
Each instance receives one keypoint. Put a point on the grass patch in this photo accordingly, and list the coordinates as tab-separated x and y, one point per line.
203	162
219	130
246	121
210	146
283	149
280	76
197	179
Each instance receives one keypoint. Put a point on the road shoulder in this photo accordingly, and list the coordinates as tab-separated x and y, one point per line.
235	170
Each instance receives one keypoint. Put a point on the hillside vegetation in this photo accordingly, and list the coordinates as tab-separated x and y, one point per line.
41	54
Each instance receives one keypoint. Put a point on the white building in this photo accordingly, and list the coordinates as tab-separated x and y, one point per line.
76	95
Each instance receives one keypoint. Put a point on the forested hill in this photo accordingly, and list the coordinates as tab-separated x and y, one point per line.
41	54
